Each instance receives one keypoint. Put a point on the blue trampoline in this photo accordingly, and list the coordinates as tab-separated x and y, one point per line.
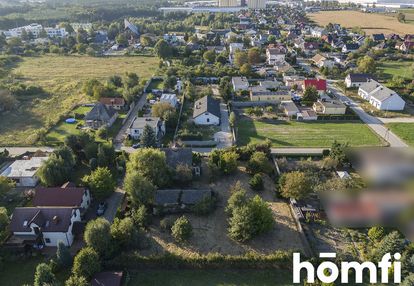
70	120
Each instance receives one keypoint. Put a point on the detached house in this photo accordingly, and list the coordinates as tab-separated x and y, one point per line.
319	84
117	103
43	226
240	83
332	107
259	93
23	172
350	48
381	97
207	111
137	126
275	54
100	115
356	79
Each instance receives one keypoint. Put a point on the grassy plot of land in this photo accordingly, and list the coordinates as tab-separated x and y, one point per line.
403	130
370	23
61	77
397	68
305	134
212	278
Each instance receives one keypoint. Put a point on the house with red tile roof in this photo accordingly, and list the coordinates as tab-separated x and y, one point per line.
319	84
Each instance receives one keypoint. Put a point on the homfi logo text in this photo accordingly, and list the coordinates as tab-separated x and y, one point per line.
328	271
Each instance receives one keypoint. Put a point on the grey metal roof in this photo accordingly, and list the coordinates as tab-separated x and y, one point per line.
141	122
167	197
360	77
206	104
370	86
192	197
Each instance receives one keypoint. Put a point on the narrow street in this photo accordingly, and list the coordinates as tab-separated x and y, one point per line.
374	123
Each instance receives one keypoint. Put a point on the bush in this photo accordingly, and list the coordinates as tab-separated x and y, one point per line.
63	256
258	163
98	236
43	275
166	224
76	281
86	263
182	229
376	233
256	182
140	216
204	207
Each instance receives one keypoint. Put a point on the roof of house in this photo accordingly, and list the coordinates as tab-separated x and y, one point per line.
206	104
176	156
194	196
168	97
100	113
24	168
317	58
311	45
378	37
163	197
359	77
319	84
141	122
112	100
377	90
370	86
58	197
50	219
290	106
331	103
240	81
110	278
352	46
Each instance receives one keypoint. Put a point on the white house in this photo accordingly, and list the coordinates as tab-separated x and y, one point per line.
356	79
44	226
207	111
274	55
381	97
318	32
136	128
170	98
23	172
240	83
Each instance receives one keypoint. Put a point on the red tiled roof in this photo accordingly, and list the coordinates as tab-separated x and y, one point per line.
112	101
319	84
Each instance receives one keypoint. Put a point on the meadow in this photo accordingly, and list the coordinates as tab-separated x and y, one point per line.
403	130
61	77
397	68
370	23
305	134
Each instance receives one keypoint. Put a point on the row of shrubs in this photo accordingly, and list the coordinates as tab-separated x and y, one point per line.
252	260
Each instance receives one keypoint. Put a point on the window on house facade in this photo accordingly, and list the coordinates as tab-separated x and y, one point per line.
47	240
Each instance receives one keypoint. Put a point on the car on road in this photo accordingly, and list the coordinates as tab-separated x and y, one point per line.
100	210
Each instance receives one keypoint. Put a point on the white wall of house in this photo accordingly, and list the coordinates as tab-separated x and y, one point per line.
86	199
26	181
395	102
350	83
207	119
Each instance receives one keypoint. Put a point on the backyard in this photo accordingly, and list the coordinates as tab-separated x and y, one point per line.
397	68
61	78
370	23
305	134
403	130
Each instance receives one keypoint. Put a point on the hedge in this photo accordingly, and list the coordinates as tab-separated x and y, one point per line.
251	260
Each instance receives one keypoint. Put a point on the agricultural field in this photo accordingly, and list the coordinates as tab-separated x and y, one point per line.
370	23
305	134
61	78
403	130
397	68
212	277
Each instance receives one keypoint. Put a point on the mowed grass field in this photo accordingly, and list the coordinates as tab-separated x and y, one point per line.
305	134
369	22
398	68
62	78
403	130
211	278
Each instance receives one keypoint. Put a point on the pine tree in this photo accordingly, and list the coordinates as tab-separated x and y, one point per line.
63	255
148	137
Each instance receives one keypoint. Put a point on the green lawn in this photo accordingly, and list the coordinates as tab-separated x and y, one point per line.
403	130
61	77
392	68
305	134
19	272
211	278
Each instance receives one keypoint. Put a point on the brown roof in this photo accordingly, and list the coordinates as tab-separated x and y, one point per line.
112	100
107	279
48	219
58	197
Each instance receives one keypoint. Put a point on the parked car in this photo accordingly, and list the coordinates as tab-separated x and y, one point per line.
100	210
135	146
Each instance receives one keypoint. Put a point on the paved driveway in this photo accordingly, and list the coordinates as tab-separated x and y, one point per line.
224	137
114	201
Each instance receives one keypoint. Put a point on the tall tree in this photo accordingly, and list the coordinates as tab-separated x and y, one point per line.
162	49
148	138
44	275
140	189
100	182
86	263
97	235
63	256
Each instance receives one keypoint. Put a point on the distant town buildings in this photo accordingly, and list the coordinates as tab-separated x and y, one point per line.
256	4
228	3
35	31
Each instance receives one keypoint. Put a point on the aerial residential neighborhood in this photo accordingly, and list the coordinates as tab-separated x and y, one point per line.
205	142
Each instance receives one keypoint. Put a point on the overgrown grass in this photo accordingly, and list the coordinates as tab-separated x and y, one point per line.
397	68
403	130
61	77
305	134
211	277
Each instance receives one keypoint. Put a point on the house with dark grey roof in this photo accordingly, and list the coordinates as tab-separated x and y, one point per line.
44	226
207	111
178	201
350	48
380	96
357	79
101	115
181	156
138	124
